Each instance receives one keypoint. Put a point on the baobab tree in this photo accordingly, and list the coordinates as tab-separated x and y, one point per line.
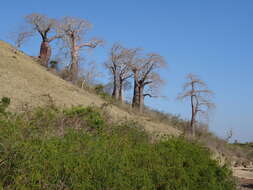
73	31
112	65
196	90
124	71
42	25
146	76
118	64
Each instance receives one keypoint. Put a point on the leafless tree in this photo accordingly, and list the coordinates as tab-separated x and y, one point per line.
73	31
229	135
90	73
196	90
112	64
44	26
146	77
118	64
21	37
124	71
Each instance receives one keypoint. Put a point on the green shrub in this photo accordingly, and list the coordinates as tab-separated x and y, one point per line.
91	115
100	90
34	156
4	103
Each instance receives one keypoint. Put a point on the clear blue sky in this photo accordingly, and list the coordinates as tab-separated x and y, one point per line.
211	38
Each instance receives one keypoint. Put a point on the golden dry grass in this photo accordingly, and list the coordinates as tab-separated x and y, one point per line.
27	83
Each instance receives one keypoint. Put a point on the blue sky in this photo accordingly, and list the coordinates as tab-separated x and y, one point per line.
211	38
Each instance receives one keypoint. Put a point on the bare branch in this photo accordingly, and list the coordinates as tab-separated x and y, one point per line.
21	38
54	38
41	24
92	44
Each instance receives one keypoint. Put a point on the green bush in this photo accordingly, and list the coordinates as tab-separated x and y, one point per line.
100	90
35	154
91	115
4	103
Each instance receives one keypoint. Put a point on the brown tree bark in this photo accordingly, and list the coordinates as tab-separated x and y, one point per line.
121	97
115	92
193	117
74	66
136	95
141	98
45	53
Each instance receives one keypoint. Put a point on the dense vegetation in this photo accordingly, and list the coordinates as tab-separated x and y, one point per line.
77	148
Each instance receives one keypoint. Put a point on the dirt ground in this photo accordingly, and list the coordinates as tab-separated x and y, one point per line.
245	177
245	184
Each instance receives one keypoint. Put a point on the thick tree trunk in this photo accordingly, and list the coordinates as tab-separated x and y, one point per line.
115	92
45	53
193	117
74	67
136	95
121	91
141	99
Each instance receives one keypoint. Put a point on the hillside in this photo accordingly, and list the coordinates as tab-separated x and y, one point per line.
27	83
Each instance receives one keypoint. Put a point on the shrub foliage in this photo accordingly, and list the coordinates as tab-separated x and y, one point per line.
77	148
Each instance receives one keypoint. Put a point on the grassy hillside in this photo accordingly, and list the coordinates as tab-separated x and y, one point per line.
29	84
26	82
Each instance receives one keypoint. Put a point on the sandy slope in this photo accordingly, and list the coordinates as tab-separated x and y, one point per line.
241	172
245	176
28	83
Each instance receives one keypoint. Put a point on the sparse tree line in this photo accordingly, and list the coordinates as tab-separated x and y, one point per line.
124	64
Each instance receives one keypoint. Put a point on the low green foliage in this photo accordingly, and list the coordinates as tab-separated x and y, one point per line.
77	149
4	103
90	114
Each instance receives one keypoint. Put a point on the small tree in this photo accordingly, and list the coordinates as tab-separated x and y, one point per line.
89	74
73	31
229	135
196	90
21	37
146	77
43	25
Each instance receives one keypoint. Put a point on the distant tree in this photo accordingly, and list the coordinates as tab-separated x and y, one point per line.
43	25
73	31
196	90
229	135
21	37
89	74
118	64
146	77
124	71
112	65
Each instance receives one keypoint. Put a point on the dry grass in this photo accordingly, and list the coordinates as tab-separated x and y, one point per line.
27	83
